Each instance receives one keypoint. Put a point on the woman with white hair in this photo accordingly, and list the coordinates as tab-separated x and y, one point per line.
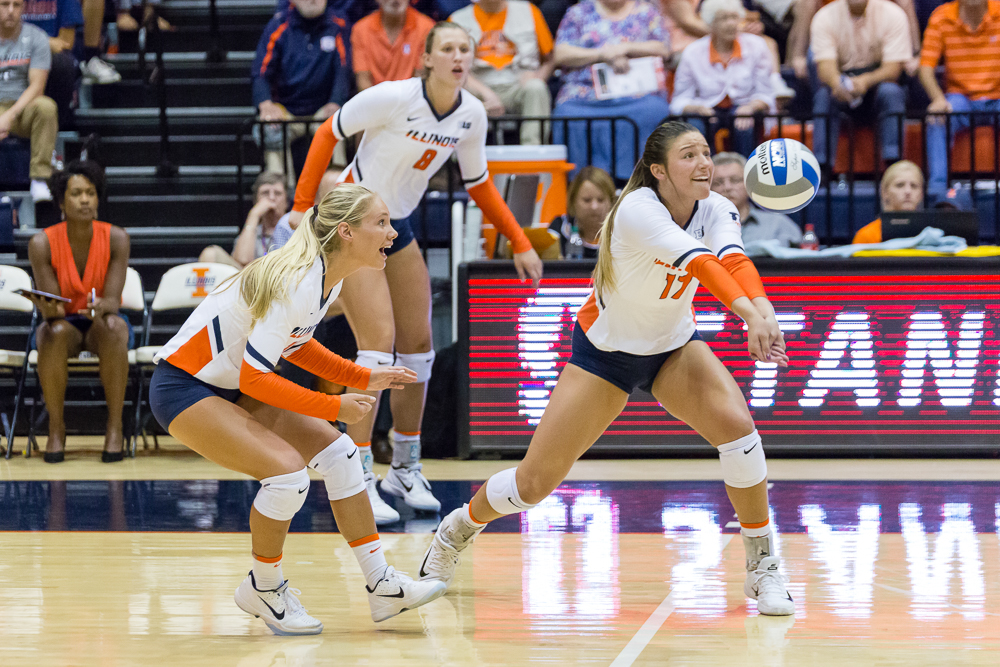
725	77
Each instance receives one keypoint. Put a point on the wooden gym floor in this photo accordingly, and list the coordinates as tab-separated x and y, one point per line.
629	563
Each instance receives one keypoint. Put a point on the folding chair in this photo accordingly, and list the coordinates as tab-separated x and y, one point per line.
13	363
181	289
133	300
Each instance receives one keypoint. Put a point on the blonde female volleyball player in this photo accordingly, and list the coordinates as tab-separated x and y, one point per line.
215	390
411	128
667	234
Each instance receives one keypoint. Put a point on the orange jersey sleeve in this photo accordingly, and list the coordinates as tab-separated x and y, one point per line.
275	390
713	275
320	361
742	269
320	154
488	199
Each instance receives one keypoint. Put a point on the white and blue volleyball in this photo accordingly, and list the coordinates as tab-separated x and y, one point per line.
782	175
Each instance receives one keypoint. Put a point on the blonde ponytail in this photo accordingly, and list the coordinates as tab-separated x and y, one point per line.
654	152
268	279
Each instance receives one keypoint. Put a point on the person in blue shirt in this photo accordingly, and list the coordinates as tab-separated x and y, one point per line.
59	19
302	68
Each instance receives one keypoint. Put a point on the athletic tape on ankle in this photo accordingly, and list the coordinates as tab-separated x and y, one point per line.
501	492
374	358
281	496
743	462
421	363
340	466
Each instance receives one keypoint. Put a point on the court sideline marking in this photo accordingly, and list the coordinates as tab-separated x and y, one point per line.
652	625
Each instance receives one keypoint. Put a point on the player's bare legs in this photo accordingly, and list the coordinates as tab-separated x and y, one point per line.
367	306
335	456
695	387
581	408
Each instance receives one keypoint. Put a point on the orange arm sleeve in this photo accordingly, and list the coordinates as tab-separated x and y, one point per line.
320	361
710	273
320	153
275	390
488	199
742	269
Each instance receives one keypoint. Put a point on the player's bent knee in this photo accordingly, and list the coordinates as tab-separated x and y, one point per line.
743	463
340	466
420	363
374	358
281	496
503	495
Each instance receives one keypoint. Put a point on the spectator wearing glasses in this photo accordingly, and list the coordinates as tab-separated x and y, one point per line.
756	224
724	78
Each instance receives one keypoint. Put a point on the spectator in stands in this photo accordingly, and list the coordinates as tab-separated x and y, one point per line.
76	259
798	38
967	34
130	11
513	60
387	45
756	224
612	32
25	59
590	198
724	78
59	19
270	205
860	47
301	69
902	189
93	68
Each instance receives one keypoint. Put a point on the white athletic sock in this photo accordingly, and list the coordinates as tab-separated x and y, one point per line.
267	572
367	462
405	448
756	542
371	558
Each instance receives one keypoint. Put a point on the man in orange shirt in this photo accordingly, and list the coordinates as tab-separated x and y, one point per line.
388	43
967	34
513	60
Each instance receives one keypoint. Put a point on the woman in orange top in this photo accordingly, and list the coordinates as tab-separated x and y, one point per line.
902	189
76	259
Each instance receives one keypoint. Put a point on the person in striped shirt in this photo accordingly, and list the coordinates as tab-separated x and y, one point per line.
966	33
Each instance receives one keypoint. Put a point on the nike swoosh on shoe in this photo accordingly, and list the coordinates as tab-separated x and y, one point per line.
276	614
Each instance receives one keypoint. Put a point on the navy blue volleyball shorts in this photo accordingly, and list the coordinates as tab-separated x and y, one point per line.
172	391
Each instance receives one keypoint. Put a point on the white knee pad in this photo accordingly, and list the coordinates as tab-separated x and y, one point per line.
281	496
374	358
743	462
340	466
421	363
501	492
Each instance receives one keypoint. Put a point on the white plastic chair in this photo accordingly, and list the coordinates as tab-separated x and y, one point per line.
14	363
181	288
133	299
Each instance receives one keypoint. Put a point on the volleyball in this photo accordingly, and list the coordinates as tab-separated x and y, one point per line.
782	175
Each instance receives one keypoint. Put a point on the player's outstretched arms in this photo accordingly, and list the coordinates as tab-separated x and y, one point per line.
763	335
391	377
354	407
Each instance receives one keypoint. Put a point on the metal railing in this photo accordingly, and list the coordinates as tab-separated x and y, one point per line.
150	36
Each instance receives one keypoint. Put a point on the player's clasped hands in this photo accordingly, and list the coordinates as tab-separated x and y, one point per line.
354	407
765	341
390	377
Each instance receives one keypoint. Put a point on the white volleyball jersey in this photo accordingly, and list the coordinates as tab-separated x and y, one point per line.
216	339
650	310
405	142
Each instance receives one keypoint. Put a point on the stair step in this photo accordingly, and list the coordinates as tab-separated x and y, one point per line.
181	120
199	38
187	150
172	210
191	92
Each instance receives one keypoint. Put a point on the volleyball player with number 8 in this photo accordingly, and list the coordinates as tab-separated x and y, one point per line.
411	128
667	234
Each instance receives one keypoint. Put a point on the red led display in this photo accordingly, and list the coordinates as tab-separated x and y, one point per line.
876	361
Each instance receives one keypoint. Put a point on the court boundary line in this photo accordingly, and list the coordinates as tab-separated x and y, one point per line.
645	634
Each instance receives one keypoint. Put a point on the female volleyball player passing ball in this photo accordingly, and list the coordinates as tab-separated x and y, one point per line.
411	128
215	390
667	234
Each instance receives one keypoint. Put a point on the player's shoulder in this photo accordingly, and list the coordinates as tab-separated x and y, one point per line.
407	90
641	207
716	207
642	199
471	105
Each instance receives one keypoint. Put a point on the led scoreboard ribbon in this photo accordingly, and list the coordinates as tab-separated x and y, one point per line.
876	361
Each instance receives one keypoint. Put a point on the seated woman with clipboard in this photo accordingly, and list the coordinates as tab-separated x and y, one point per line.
79	267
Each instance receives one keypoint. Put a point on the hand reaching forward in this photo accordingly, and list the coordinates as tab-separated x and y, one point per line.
390	377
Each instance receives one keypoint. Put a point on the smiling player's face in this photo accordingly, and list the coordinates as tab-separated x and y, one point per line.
450	58
689	165
371	238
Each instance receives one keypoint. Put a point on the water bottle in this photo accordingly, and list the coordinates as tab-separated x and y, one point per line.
574	249
809	239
